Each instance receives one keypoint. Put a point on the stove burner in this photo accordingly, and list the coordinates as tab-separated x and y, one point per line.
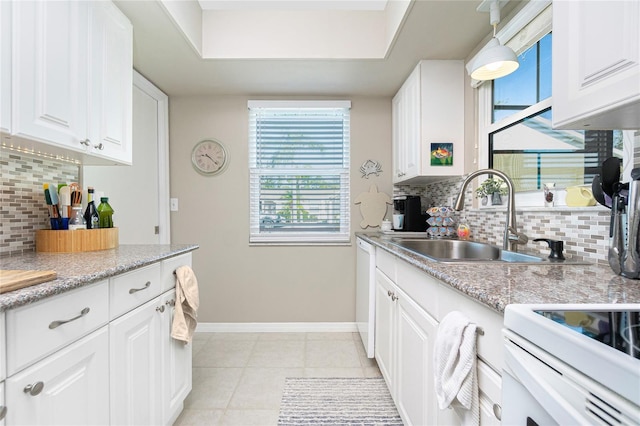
617	329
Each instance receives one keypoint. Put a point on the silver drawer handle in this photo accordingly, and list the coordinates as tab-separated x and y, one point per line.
171	302
100	146
34	389
85	142
58	323
160	309
146	286
3	412
394	297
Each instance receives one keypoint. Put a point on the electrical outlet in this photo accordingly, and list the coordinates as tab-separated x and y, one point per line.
173	204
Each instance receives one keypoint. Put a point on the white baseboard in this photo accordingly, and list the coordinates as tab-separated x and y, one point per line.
276	327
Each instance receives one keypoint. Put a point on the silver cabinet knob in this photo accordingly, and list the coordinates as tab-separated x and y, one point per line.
34	389
497	411
160	309
85	142
100	146
3	412
389	293
171	302
394	297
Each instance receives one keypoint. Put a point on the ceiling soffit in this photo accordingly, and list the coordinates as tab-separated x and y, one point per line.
251	30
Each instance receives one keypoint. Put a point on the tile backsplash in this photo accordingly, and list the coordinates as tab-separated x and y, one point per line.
22	205
585	231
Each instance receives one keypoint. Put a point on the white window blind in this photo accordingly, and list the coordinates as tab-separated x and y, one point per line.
299	171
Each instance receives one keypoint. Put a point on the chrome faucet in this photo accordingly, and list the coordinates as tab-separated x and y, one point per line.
511	235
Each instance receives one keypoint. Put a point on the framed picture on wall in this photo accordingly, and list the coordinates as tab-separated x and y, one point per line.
442	154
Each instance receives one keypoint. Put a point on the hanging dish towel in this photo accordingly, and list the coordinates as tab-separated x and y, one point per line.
456	379
187	302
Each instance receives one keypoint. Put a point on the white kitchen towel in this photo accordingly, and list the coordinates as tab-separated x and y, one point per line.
185	317
455	366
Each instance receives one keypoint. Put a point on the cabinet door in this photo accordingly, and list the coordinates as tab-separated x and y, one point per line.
3	407
110	121
412	121
5	66
490	384
415	394
596	74
49	81
385	323
136	366
75	386
177	364
406	129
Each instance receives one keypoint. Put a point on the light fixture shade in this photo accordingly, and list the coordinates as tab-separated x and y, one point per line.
494	61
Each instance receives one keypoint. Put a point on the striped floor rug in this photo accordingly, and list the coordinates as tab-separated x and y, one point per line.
337	401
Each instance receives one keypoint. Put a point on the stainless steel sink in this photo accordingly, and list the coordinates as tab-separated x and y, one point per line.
462	251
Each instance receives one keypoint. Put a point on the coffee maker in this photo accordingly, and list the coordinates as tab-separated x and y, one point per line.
411	207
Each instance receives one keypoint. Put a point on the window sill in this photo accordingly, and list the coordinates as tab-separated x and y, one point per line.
503	207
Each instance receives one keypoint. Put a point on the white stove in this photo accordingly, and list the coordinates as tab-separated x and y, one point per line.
572	364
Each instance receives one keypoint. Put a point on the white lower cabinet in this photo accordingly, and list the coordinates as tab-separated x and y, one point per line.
68	387
408	311
177	361
3	406
415	392
404	350
150	371
70	362
136	366
385	321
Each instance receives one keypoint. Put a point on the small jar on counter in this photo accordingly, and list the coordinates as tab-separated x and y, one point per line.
76	221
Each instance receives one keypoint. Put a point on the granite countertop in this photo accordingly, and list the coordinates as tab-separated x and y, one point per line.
500	284
77	269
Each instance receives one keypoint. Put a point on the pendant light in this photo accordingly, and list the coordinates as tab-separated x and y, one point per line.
494	60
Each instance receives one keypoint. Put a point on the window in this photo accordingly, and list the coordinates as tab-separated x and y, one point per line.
517	112
299	171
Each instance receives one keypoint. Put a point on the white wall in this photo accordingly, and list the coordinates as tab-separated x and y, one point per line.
239	283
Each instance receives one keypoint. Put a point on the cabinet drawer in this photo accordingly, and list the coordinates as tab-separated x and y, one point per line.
420	286
386	262
40	328
490	344
132	289
168	268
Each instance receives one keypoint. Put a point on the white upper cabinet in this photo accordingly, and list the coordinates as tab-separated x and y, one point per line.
5	67
596	64
110	129
71	79
49	96
428	115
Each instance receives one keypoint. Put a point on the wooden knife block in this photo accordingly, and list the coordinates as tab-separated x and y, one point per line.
78	240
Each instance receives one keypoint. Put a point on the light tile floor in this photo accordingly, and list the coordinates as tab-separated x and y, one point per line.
238	377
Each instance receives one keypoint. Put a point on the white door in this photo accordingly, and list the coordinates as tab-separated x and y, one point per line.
136	366
139	194
70	387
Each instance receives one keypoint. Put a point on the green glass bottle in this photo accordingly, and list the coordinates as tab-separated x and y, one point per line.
105	213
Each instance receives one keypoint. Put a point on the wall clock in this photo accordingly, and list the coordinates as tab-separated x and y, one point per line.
209	157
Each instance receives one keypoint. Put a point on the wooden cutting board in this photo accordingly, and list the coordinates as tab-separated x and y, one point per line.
11	280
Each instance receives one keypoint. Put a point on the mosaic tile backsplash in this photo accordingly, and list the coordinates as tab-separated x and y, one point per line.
585	231
22	205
